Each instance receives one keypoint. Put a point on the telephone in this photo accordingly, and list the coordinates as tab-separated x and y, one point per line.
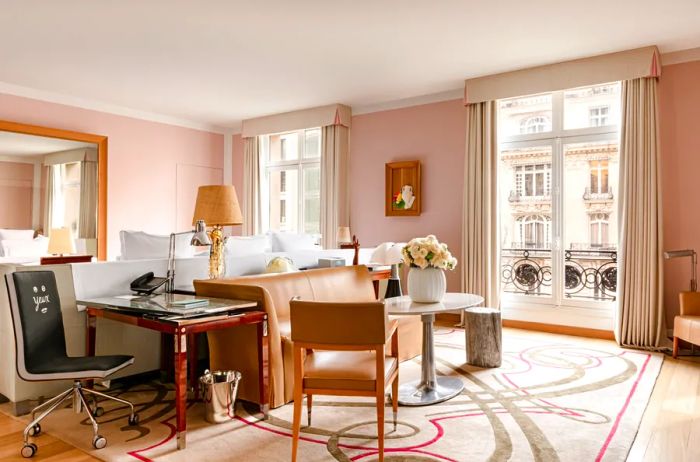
146	284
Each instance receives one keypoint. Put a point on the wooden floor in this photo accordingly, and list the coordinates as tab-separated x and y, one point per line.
670	429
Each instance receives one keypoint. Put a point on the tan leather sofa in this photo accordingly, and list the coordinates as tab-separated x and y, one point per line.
686	326
236	348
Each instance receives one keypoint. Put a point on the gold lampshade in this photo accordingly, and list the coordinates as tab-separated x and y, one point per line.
61	241
217	205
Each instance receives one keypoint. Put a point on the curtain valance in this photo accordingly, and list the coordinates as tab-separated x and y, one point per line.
334	114
74	155
624	65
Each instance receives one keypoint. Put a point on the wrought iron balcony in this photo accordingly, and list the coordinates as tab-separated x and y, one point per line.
589	274
515	196
604	194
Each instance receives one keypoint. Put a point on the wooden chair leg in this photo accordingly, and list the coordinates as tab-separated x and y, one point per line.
395	399
309	402
675	347
298	399
380	425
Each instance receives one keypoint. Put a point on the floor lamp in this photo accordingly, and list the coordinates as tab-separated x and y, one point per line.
693	264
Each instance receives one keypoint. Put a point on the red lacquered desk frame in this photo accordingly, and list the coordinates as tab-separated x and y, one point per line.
182	330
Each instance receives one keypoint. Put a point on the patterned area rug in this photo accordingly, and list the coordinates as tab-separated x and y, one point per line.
554	398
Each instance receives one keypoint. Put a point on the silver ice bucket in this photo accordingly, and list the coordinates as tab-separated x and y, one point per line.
219	390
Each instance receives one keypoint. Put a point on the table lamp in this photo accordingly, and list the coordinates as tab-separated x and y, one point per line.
347	241
200	238
61	242
389	253
693	264
217	206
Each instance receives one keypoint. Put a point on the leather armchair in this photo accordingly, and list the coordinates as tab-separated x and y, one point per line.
686	326
236	348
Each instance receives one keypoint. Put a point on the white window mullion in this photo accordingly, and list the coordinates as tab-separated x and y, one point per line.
557	221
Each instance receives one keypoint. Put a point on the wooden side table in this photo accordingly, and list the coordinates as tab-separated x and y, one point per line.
63	259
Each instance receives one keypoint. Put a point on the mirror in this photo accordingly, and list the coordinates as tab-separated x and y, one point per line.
47	183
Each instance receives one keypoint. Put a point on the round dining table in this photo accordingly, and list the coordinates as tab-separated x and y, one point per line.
430	389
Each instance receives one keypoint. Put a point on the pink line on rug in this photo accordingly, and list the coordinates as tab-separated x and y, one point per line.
623	410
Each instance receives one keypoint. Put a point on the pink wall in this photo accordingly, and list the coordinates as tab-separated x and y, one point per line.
679	120
435	135
143	158
16	189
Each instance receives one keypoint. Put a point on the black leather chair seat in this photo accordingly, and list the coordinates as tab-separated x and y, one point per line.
82	366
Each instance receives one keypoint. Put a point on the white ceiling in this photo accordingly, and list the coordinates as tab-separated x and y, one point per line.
215	63
17	144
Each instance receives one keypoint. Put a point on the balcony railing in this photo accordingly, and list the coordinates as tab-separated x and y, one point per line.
589	274
604	194
515	196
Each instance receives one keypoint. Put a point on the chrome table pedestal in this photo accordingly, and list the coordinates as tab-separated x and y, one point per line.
430	389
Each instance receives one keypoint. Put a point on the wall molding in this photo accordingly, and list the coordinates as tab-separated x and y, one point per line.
101	106
680	56
439	97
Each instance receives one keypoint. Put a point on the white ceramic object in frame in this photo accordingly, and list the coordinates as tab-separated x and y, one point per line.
426	285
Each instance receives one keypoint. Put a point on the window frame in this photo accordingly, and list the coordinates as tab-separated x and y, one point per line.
299	164
557	138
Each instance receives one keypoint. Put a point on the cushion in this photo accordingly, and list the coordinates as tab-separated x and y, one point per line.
239	246
16	234
280	265
137	245
344	370
289	242
32	248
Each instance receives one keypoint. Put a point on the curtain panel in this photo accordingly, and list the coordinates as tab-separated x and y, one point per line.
480	249
335	206
640	318
251	187
87	224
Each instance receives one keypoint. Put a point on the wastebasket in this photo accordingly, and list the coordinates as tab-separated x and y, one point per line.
219	390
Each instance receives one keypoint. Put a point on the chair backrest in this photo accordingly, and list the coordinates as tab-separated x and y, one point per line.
690	303
336	323
37	319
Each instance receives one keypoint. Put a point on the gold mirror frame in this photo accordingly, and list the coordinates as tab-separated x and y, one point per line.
101	142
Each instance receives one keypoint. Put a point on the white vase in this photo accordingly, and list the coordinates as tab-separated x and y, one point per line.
426	285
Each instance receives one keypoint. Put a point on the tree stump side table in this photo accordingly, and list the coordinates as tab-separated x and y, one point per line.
482	327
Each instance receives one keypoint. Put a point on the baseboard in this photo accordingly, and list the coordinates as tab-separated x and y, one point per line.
559	329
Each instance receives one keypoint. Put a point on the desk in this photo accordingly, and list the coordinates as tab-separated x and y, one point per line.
120	309
430	389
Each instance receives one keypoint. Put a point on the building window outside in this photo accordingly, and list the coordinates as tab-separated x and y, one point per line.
536	124
290	172
534	231
533	180
599	176
598	116
599	230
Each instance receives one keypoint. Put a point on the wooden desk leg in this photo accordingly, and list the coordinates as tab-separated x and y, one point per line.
375	283
181	388
263	368
192	352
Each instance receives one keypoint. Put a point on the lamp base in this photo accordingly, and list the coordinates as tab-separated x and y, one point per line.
216	253
393	288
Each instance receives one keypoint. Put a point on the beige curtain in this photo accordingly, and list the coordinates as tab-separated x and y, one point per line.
48	199
640	317
335	206
251	187
87	228
480	244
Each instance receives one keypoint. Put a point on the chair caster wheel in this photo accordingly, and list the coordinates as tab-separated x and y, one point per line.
28	450
134	420
98	412
99	442
35	430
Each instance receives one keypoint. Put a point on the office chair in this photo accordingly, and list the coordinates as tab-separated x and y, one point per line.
41	353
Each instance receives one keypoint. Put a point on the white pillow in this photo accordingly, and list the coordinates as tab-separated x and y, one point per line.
33	248
137	245
239	246
289	242
16	234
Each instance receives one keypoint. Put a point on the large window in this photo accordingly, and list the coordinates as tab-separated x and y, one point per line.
291	173
557	177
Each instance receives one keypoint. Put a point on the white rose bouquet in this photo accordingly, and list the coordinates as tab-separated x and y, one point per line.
428	252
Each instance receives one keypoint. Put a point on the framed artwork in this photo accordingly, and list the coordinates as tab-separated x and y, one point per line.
403	193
